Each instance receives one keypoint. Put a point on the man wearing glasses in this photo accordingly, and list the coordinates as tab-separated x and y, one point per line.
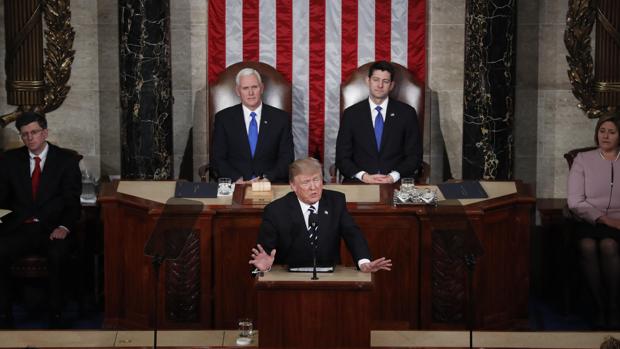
289	227
379	140
40	184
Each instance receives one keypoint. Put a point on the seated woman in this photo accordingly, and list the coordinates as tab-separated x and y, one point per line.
593	200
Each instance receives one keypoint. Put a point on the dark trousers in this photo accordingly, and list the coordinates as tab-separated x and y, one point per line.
27	239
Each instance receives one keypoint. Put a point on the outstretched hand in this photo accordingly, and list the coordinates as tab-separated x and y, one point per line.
260	259
376	265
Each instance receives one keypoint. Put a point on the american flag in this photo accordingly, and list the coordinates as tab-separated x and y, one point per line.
316	44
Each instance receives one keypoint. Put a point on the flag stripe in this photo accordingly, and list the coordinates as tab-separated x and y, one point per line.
349	38
365	31
399	32
300	77
267	38
383	20
251	28
284	38
234	32
217	39
317	78
332	80
416	61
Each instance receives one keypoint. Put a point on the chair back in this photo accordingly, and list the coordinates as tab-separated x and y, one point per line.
406	89
570	156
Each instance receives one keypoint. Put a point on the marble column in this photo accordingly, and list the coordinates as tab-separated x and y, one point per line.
146	90
489	89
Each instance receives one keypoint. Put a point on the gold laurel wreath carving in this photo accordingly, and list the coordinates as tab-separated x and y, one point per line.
580	20
59	53
59	56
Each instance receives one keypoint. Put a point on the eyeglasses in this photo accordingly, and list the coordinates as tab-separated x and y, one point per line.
34	133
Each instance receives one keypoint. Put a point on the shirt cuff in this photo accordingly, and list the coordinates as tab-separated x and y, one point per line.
360	174
395	176
362	261
65	228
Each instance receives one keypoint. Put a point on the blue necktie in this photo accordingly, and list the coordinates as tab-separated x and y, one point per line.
378	127
253	133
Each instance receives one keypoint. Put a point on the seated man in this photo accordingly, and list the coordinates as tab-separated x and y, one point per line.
41	184
251	140
287	226
379	140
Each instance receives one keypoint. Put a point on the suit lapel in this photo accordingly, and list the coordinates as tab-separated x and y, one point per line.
242	132
299	225
23	172
367	126
263	130
389	125
325	214
51	163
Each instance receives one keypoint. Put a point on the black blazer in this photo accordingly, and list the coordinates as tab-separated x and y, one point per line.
284	229
401	147
231	148
58	197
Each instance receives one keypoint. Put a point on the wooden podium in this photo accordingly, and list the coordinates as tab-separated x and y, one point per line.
296	312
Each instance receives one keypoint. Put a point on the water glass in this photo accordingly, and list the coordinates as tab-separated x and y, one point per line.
224	186
407	185
246	328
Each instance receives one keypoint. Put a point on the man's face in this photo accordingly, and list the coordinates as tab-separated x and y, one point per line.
33	137
308	187
379	85
250	91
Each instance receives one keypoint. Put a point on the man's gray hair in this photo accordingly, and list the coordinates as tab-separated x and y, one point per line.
307	166
246	72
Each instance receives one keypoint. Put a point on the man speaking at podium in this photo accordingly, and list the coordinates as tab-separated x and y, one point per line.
289	226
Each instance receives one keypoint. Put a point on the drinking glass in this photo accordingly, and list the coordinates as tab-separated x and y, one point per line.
407	185
224	186
246	328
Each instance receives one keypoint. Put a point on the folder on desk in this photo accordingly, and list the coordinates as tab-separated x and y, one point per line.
463	190
195	190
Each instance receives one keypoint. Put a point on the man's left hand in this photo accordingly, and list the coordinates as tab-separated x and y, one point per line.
376	265
59	234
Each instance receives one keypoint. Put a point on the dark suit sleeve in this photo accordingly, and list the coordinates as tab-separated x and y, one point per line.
219	163
71	191
350	232
412	161
4	182
344	146
268	233
285	152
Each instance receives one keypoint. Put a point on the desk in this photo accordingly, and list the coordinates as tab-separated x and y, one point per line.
210	286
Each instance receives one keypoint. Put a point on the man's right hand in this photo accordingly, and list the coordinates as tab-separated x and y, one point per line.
261	260
611	222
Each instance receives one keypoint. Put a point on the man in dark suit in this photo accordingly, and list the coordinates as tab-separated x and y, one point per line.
379	139
287	226
251	140
41	184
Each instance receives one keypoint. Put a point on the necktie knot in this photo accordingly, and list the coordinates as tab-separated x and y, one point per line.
311	209
378	109
253	115
37	160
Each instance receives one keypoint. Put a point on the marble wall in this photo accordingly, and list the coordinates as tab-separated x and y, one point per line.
547	121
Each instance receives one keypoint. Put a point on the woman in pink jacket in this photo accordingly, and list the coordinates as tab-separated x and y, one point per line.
595	202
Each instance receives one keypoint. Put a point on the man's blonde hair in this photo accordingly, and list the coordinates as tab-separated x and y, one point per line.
305	166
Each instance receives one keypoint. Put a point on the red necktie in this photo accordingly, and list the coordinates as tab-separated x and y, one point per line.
36	176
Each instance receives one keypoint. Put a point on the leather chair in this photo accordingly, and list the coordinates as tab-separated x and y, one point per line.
277	93
406	90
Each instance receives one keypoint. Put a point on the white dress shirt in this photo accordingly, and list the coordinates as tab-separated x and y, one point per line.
247	118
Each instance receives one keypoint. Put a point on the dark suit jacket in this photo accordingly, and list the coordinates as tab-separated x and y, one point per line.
401	148
231	156
58	197
284	229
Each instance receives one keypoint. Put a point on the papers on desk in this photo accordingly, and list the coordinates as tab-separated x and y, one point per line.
3	213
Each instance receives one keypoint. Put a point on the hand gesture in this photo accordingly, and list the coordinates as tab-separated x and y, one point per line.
376	265
260	259
376	178
59	234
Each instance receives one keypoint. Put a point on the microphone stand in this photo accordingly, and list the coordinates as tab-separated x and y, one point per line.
157	262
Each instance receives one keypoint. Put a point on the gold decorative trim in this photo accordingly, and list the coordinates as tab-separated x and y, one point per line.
601	86
59	53
580	19
27	85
